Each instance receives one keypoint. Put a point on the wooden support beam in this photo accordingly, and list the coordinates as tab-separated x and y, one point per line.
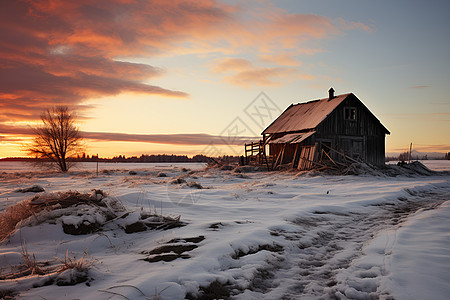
295	155
278	157
329	158
342	154
282	154
316	163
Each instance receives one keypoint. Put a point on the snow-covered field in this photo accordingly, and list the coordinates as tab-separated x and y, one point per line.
436	165
249	235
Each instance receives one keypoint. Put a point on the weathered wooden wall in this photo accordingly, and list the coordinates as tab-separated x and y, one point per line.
363	138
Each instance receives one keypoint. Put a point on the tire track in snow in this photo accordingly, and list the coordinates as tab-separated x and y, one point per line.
324	244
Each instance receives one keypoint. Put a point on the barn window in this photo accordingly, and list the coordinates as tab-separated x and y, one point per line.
350	113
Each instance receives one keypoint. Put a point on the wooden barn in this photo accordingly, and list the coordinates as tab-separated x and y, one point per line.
330	132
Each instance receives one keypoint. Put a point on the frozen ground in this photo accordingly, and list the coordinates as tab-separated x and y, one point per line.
250	235
436	165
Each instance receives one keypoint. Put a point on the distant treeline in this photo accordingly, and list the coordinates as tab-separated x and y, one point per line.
405	156
144	158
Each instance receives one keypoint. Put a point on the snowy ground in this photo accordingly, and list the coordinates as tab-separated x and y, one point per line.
254	235
436	165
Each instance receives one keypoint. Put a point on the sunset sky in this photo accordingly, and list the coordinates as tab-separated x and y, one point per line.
186	77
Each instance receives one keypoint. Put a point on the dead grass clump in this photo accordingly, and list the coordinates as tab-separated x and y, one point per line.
67	199
61	272
156	296
20	211
82	264
32	267
13	215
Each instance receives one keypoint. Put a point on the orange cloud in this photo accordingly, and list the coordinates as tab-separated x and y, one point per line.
173	139
281	59
232	64
271	29
280	37
64	52
245	74
285	26
131	27
260	76
10	139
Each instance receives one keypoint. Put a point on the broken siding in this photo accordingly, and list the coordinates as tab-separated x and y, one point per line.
308	157
289	149
292	138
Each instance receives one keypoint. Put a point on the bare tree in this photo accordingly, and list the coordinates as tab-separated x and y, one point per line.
57	139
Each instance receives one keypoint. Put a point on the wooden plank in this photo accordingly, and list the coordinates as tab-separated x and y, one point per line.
306	158
316	152
267	162
305	161
303	158
282	154
301	162
312	151
278	157
342	154
312	156
330	159
307	154
308	162
295	155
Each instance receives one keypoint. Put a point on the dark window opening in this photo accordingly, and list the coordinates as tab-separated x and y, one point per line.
350	113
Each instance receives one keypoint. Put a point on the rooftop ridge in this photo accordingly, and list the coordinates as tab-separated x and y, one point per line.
323	99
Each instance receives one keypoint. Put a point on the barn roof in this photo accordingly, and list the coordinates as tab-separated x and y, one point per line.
292	138
304	116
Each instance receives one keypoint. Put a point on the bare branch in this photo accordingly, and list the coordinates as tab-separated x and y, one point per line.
57	139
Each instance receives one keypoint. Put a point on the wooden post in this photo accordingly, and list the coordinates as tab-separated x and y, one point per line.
265	156
281	155
97	164
245	153
410	148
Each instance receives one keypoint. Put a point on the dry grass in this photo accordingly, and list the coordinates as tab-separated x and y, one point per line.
82	264
13	215
20	211
31	264
29	267
156	296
